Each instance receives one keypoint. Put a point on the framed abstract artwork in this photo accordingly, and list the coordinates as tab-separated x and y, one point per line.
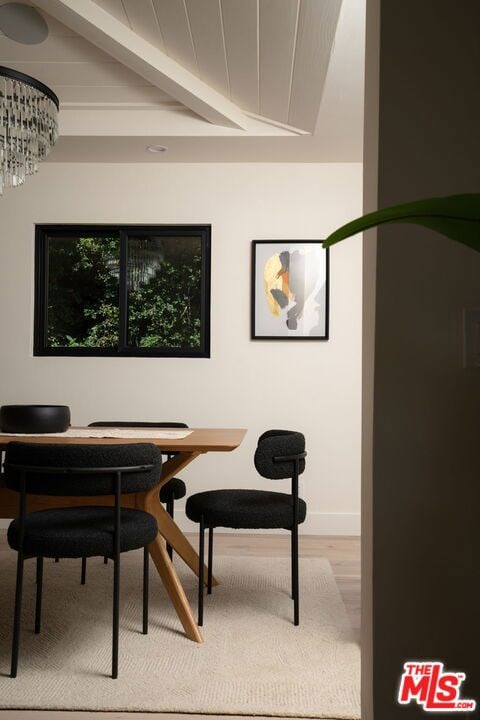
290	290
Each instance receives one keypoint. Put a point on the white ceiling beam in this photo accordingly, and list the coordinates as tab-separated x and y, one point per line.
106	32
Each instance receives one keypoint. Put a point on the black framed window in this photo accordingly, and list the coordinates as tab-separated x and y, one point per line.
122	290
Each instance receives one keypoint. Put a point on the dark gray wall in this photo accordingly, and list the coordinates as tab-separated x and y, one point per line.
426	439
369	250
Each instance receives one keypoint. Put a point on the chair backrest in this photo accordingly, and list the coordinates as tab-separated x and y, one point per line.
274	444
141	465
113	423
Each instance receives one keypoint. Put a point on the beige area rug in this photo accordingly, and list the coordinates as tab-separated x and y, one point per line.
253	660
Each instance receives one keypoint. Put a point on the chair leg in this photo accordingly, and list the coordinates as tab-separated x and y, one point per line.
201	578
116	615
57	560
105	559
210	559
17	615
145	588
38	600
295	588
291	555
170	510
116	575
84	571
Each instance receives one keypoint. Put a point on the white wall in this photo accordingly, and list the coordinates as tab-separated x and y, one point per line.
312	387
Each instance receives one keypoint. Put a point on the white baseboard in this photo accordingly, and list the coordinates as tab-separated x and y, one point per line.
332	524
315	524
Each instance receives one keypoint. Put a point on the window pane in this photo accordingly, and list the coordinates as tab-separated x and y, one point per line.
164	276
83	275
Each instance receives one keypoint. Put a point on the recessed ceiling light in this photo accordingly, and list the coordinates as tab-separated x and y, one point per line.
23	24
157	148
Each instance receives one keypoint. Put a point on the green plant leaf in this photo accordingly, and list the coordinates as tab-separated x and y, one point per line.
456	216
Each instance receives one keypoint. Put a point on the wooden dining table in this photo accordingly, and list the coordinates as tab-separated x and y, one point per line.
181	452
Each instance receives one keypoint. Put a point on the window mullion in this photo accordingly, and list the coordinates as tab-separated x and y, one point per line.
123	293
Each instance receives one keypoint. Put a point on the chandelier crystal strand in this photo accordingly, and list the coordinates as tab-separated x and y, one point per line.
28	126
145	259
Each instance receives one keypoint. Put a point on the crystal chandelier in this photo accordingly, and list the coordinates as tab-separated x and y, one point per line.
28	126
144	259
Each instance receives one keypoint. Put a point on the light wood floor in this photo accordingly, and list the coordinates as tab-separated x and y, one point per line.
342	552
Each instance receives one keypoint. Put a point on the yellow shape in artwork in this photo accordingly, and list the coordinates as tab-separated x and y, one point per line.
275	277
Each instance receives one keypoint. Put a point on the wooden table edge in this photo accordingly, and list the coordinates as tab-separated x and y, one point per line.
187	444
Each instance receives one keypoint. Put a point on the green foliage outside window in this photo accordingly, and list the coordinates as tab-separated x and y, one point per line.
83	306
164	311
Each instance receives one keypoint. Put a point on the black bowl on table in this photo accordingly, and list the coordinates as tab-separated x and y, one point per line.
34	419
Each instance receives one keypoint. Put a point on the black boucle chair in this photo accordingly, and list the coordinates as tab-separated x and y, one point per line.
174	489
80	531
280	454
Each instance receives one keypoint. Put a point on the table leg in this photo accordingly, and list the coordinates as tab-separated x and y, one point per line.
150	501
169	530
174	588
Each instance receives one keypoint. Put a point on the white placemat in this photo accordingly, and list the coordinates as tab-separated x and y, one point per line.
121	433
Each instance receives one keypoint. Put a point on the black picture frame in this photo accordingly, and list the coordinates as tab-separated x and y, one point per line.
43	232
254	334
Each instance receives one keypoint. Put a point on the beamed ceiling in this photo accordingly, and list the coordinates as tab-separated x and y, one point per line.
213	80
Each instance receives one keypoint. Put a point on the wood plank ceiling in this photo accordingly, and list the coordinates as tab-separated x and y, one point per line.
76	70
269	57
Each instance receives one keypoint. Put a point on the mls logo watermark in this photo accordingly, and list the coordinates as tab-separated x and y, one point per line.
431	686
